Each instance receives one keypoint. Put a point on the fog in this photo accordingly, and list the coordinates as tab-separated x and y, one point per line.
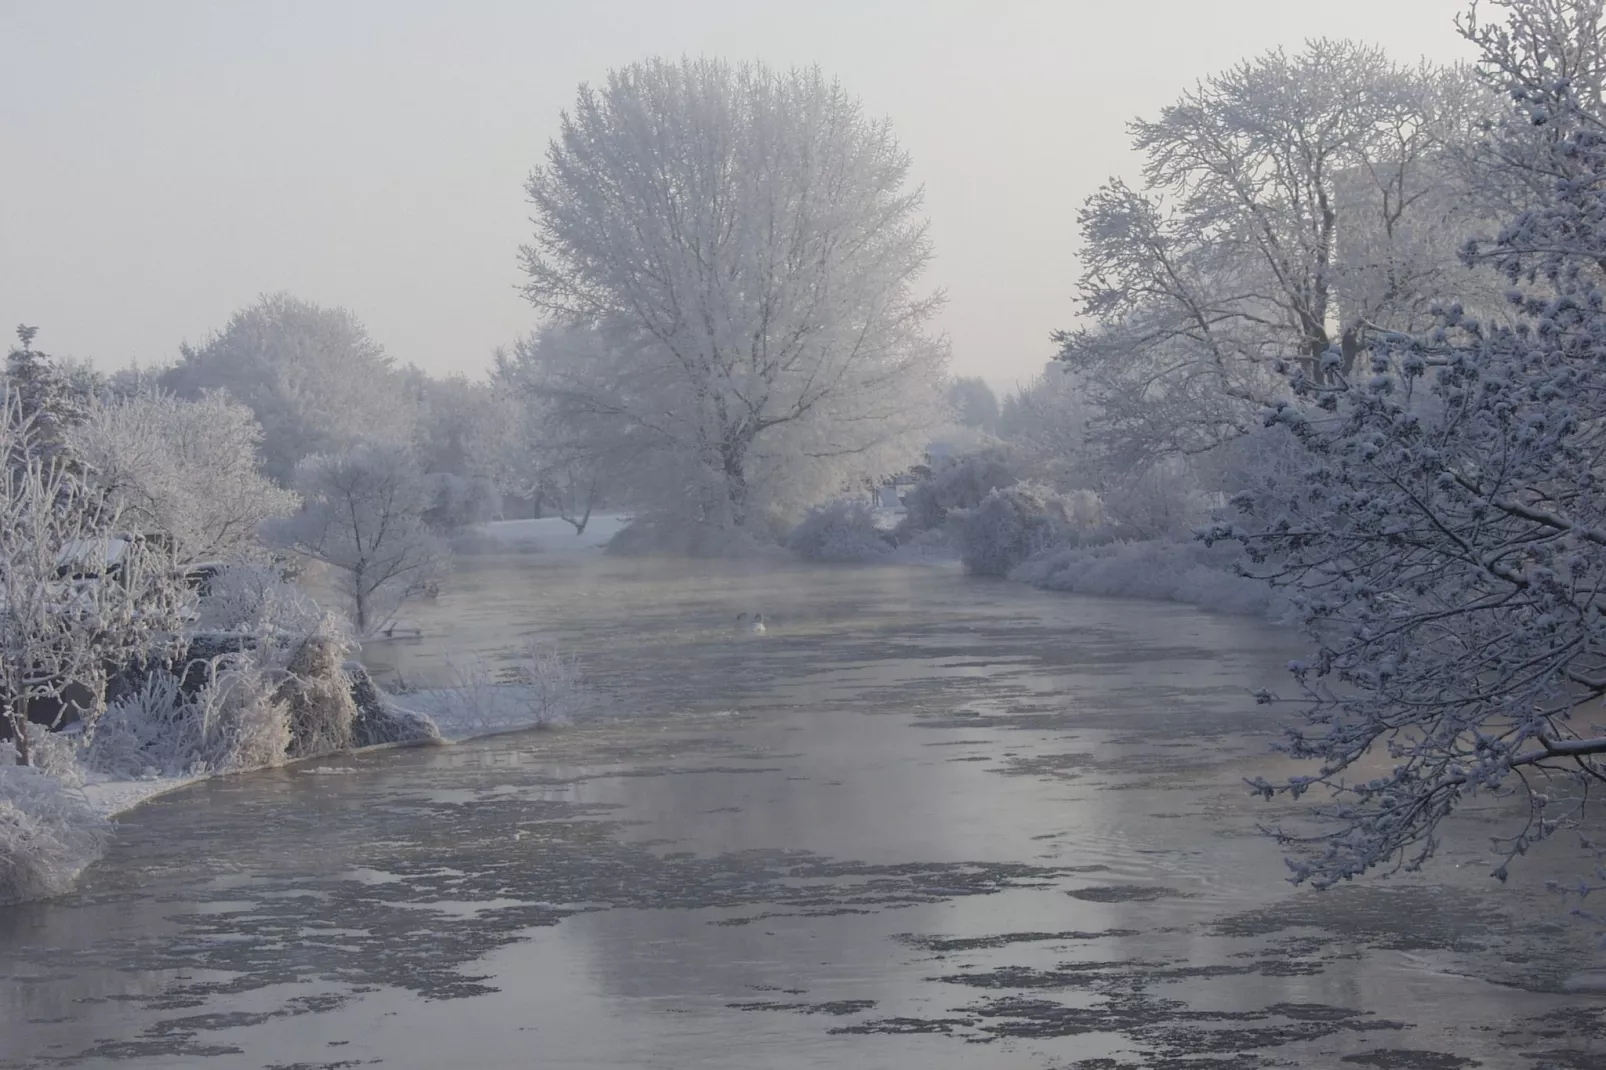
600	530
169	162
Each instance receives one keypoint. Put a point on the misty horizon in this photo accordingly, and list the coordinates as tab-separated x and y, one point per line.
200	156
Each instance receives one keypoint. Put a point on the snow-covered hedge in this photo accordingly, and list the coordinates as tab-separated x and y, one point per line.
1010	525
256	598
268	685
841	532
1172	570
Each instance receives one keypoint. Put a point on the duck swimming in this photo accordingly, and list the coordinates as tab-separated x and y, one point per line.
753	625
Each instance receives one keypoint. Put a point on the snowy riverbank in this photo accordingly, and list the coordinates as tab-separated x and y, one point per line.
1165	570
478	708
461	714
547	535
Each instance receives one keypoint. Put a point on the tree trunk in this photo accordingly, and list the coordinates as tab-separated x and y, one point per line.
359	601
733	459
17	725
1350	348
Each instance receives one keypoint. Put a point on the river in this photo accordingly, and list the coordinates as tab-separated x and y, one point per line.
926	821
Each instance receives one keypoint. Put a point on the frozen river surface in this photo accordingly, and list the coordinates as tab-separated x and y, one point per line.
925	822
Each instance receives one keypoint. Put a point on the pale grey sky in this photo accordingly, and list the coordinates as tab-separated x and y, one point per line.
165	162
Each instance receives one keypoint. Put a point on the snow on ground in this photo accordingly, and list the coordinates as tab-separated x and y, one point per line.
472	711
479	707
464	713
548	535
108	797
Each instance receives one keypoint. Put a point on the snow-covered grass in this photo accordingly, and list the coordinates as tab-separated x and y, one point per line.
109	796
540	689
1171	570
674	536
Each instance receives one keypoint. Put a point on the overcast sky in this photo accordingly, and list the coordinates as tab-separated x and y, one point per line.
163	163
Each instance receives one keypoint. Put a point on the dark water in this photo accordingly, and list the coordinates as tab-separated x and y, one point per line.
925	822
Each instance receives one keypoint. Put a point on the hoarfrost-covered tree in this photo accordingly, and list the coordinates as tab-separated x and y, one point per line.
1290	205
744	244
77	601
52	394
449	413
566	457
362	516
974	403
187	469
1446	539
1514	166
1046	422
313	377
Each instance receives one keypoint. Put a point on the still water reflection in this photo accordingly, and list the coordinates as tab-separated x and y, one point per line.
924	822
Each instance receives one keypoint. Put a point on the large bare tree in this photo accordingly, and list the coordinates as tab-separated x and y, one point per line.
1290	206
745	243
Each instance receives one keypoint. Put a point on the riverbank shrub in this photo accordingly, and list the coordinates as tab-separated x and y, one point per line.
1155	504
1010	525
955	484
840	532
232	723
1170	570
316	694
48	832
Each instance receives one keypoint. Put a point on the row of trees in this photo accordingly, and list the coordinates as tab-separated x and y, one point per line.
201	477
726	258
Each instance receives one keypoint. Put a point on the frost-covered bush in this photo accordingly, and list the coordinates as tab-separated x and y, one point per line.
1011	524
1157	504
839	531
81	599
188	469
257	599
556	689
956	483
926	548
151	731
317	695
55	753
48	834
458	502
236	721
1161	569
